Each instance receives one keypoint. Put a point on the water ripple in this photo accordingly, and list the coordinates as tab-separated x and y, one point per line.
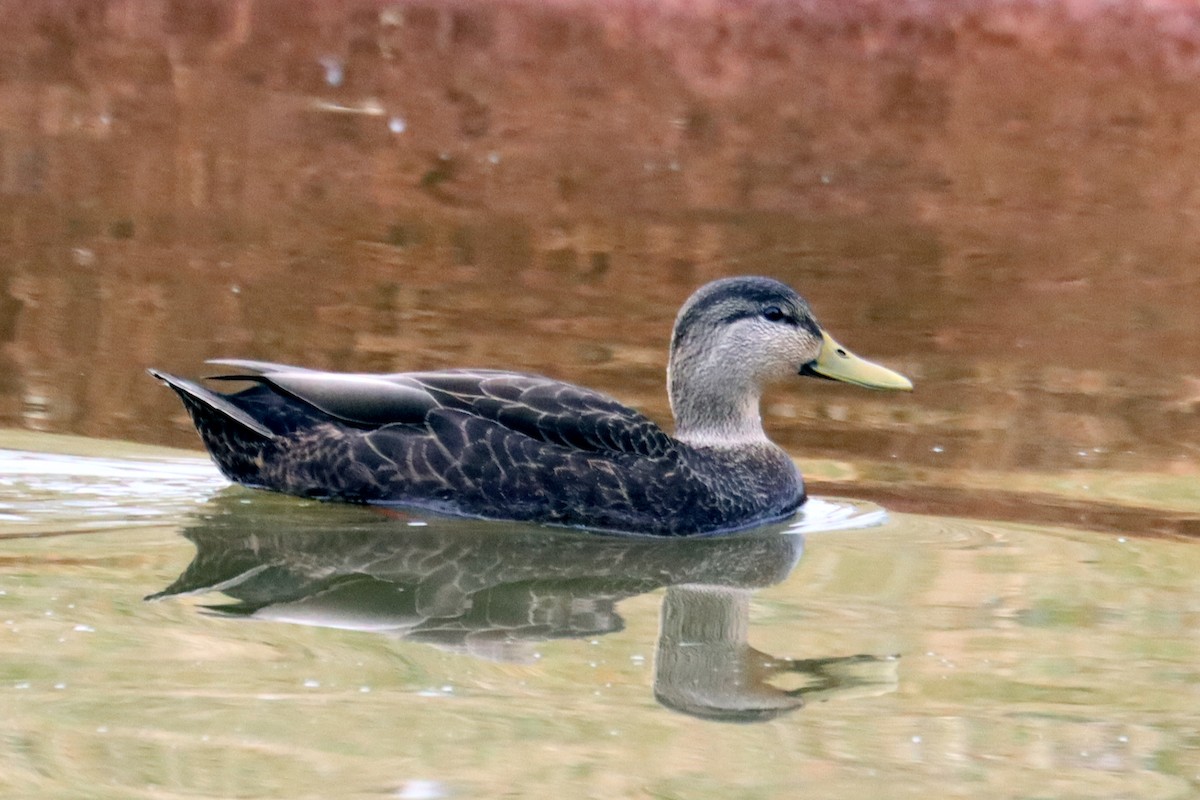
821	515
46	493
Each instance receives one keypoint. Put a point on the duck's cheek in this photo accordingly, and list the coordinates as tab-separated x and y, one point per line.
781	368
791	360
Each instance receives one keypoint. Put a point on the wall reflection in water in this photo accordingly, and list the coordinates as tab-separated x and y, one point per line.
496	590
999	203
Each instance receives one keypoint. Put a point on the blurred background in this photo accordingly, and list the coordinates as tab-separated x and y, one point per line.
998	198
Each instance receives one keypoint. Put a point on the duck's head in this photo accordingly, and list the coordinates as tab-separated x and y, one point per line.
736	335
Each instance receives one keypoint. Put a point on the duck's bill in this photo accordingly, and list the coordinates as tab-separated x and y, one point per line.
839	364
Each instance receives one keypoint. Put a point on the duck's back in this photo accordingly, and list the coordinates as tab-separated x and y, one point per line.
486	444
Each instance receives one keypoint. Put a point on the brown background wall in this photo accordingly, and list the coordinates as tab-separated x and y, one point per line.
1001	198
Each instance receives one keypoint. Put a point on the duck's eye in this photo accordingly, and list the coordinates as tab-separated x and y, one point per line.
774	314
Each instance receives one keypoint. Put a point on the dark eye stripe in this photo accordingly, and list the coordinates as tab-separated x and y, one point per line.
739	315
804	321
716	303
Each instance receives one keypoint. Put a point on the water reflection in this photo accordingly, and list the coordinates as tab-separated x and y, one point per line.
495	590
517	185
704	665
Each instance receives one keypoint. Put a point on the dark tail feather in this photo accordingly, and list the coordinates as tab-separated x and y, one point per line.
194	394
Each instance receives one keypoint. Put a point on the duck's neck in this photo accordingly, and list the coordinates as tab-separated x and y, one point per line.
714	407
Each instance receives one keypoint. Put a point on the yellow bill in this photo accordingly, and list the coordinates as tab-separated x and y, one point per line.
837	363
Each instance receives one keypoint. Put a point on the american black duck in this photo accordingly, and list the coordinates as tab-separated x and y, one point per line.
508	445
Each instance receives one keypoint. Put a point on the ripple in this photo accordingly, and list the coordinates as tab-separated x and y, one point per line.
42	493
822	515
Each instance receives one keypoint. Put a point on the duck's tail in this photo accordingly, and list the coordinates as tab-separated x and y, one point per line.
203	403
235	439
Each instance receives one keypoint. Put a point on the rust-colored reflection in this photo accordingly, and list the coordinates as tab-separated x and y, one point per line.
1000	203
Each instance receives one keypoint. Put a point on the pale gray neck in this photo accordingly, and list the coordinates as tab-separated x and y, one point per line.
714	407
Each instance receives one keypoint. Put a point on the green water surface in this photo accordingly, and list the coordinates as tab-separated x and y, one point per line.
353	654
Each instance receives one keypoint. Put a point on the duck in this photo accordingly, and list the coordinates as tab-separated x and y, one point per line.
502	445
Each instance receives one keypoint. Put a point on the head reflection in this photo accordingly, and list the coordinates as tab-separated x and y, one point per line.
496	590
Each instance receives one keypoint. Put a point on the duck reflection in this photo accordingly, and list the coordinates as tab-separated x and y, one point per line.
493	590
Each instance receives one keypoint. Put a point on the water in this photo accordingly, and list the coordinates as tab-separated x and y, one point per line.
994	595
297	649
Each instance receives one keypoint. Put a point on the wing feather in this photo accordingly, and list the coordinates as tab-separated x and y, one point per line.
541	408
549	410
